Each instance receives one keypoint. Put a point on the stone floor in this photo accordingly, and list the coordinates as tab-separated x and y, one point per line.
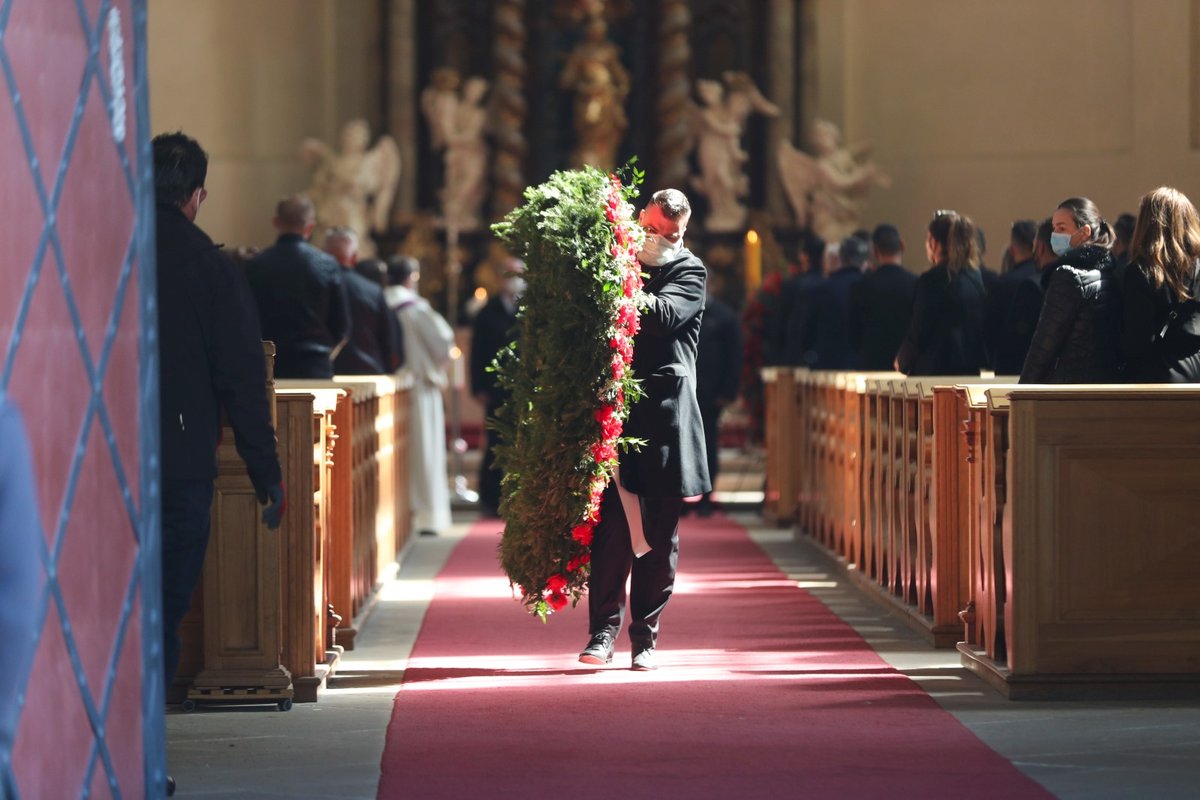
331	749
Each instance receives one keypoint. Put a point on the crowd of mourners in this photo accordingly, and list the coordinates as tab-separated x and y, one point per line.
1075	300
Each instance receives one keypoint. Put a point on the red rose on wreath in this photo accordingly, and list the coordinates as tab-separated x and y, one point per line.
604	451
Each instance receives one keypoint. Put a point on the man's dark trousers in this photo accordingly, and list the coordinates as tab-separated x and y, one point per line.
653	573
186	510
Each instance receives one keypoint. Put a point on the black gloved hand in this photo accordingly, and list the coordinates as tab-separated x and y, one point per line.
275	500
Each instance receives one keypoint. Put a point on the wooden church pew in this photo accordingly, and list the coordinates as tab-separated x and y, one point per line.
342	443
1100	544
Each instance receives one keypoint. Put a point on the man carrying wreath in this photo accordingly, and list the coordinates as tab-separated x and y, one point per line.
639	518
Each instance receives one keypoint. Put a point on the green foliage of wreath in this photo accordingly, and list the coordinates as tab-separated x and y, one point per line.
576	235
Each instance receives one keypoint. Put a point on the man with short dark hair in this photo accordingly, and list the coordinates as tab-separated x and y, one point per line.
880	304
374	347
1014	303
211	362
793	294
301	296
824	320
638	534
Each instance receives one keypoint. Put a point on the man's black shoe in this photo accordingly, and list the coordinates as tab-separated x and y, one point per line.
170	786
599	649
644	660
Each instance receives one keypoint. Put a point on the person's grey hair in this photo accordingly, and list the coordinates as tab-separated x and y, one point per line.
854	252
341	236
672	202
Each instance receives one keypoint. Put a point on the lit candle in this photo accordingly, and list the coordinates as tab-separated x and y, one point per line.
458	370
753	261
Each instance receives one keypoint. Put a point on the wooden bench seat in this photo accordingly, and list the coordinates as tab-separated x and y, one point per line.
278	606
1047	532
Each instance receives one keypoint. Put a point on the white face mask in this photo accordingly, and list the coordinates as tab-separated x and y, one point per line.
658	251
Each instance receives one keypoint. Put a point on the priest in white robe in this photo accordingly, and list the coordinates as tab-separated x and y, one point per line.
428	342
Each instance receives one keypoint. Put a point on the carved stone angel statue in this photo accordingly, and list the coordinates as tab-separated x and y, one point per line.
826	192
355	187
719	154
457	125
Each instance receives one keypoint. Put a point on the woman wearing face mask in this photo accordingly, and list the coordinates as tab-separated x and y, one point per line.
945	332
1160	297
1076	340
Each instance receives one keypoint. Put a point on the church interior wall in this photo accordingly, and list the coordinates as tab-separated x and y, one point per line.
999	110
1002	110
251	79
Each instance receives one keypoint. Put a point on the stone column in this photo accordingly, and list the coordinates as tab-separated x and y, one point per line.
509	108
402	98
674	107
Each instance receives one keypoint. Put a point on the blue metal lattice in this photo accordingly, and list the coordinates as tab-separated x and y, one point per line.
143	522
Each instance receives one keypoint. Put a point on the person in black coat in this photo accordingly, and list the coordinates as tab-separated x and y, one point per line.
881	302
493	330
1014	303
809	271
945	331
672	464
824	319
1160	334
212	364
375	346
1077	335
989	275
301	296
718	373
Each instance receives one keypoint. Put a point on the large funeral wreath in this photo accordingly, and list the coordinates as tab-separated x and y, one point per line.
568	377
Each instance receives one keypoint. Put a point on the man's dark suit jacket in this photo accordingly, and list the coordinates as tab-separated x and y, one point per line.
824	321
375	345
719	357
793	296
302	305
211	358
879	308
673	462
1014	304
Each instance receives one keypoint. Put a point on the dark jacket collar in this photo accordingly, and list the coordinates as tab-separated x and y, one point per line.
1084	257
178	235
289	238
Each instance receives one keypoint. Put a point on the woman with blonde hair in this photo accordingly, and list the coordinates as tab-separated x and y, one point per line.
1160	338
1076	340
945	331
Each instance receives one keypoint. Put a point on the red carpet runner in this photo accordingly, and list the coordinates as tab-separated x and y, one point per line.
761	692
